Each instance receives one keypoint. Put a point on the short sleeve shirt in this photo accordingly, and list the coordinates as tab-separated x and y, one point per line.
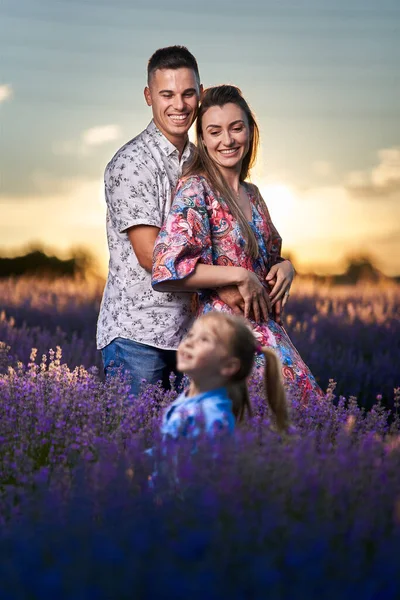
139	185
188	417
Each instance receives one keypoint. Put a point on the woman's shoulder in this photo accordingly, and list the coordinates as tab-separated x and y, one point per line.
193	181
252	188
257	197
194	188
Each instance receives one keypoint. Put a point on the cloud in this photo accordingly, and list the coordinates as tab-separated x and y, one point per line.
89	139
47	185
96	136
6	92
44	187
382	181
67	147
322	168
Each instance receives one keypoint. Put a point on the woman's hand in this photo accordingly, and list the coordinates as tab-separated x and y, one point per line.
254	294
280	279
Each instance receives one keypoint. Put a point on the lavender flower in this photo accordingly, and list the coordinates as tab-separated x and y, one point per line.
312	515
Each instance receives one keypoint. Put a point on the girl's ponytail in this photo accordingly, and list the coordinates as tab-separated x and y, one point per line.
274	390
238	392
243	345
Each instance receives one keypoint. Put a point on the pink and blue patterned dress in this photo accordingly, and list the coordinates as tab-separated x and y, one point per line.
201	228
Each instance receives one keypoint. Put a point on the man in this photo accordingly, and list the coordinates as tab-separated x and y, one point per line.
139	329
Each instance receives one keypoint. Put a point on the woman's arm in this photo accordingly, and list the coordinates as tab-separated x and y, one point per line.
254	295
203	277
183	259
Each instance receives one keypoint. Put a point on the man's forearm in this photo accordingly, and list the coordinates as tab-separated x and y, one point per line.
142	238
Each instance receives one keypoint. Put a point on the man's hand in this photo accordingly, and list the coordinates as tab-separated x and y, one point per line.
278	310
232	297
280	279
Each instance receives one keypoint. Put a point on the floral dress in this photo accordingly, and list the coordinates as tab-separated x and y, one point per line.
201	228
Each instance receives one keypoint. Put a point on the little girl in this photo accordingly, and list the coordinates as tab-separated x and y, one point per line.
218	356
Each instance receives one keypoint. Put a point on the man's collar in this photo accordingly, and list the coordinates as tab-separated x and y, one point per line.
162	142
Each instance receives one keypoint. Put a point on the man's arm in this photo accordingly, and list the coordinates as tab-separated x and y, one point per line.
142	238
133	201
232	297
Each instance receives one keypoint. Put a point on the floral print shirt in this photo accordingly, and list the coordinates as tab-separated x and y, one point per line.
139	186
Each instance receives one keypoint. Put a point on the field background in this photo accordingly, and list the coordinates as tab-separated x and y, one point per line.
350	334
86	513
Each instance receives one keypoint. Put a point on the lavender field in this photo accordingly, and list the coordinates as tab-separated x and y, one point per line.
313	516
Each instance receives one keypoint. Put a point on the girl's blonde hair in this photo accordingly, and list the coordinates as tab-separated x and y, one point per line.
243	345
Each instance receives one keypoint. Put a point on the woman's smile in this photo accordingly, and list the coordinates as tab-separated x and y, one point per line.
226	135
229	152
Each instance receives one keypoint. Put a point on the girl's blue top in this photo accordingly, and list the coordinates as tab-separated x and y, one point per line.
210	412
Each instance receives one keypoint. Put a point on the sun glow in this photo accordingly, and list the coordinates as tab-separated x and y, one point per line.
280	196
281	202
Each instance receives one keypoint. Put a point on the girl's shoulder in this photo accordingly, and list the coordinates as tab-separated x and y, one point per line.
180	399
210	398
218	413
217	401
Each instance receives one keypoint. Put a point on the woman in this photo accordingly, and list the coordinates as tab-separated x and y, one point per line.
219	232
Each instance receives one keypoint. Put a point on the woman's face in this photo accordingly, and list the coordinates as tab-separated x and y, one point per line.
226	135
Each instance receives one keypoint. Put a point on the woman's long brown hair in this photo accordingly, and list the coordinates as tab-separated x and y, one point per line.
202	164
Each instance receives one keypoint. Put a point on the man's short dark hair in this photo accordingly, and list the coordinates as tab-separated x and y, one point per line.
172	57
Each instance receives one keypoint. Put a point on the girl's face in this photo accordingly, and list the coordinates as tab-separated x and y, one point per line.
226	135
205	350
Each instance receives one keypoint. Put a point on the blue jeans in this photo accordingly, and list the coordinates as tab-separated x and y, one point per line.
140	362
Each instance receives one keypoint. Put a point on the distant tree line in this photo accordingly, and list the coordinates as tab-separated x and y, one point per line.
358	269
38	263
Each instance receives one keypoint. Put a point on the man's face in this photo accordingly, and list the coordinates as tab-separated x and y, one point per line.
174	96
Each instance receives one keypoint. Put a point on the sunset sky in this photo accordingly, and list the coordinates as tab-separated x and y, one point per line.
323	78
